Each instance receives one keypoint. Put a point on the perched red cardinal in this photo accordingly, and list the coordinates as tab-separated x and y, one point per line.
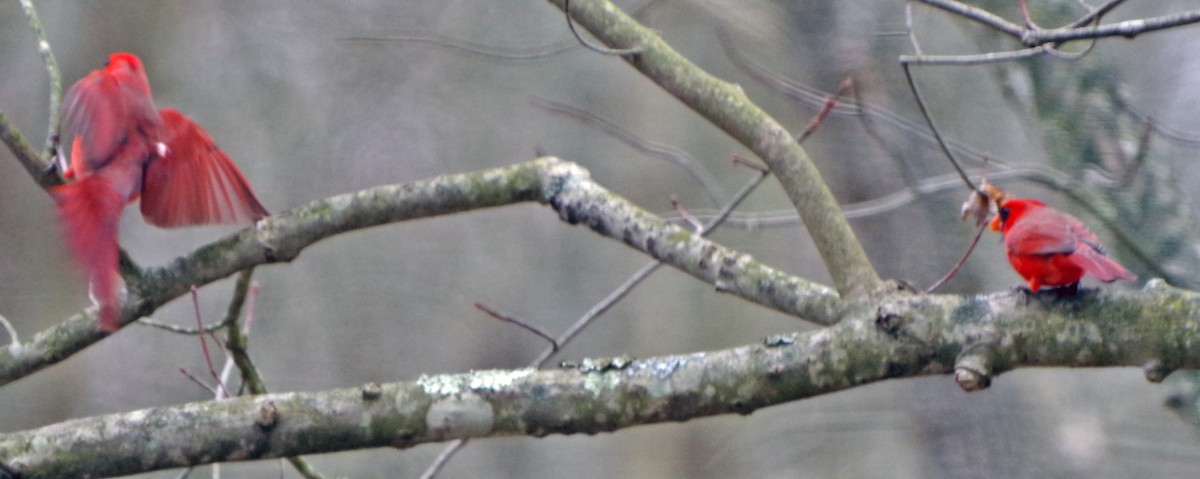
1051	248
124	148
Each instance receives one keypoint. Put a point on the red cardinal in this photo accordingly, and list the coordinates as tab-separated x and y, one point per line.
124	148
1051	248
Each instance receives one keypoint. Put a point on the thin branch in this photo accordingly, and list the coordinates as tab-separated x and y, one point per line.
204	343
974	59
41	171
537	52
519	323
912	85
680	158
236	338
239	333
961	260
909	31
188	330
1127	29
443	458
1035	48
488	50
8	328
980	16
831	101
886	203
683	214
1095	14
194	379
860	109
53	74
1075	31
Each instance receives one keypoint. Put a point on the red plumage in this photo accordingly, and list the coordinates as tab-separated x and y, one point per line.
123	149
1050	248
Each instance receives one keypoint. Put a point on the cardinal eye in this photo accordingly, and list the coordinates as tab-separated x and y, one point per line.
1003	215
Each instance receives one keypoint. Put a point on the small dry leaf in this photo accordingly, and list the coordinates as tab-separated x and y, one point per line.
977	207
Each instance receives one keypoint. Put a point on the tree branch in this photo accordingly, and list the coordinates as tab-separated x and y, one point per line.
1076	31
904	337
1127	29
52	73
726	106
564	186
38	168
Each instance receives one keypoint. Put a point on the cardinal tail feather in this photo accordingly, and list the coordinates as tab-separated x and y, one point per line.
90	210
1101	266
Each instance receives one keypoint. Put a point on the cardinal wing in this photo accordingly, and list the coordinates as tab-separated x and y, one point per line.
195	182
1040	234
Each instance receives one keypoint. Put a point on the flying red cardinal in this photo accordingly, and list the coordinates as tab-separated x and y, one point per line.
1051	248
124	148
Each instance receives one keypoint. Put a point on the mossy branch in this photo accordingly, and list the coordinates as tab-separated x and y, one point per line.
904	337
566	187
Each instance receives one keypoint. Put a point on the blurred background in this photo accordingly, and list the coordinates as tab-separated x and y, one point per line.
315	98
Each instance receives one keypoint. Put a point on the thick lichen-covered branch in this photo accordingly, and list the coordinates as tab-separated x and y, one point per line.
727	106
565	186
903	337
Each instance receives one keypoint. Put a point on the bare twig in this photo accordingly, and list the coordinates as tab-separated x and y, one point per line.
519	323
1072	32
974	59
739	160
912	85
243	294
860	109
1127	29
979	15
174	328
961	261
1129	170
204	343
236	337
55	77
442	458
830	102
235	306
909	31
876	206
696	225
1096	13
510	53
8	328
1037	48
486	49
694	168
210	389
